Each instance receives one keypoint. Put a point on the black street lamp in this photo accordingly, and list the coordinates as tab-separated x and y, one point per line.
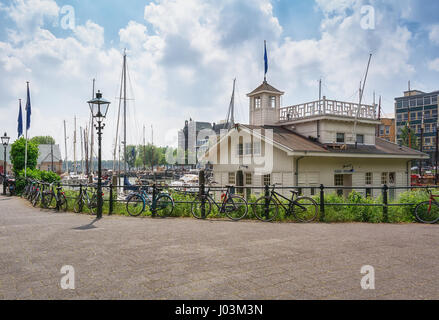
5	142
99	108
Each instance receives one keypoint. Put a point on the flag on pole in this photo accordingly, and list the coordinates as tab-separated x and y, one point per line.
28	109
265	60
20	121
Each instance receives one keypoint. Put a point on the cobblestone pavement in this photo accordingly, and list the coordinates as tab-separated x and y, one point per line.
135	258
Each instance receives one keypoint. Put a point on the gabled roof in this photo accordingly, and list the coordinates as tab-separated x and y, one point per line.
265	87
44	154
290	139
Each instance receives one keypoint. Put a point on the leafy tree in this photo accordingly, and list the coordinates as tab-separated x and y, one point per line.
406	132
131	156
43	140
18	154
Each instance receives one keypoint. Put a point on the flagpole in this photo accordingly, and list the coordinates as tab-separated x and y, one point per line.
27	125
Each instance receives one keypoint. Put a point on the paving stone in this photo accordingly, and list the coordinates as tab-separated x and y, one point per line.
154	259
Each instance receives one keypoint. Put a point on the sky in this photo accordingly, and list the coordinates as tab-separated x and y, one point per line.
184	54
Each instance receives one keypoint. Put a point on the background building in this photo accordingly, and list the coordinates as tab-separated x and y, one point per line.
414	109
49	156
386	129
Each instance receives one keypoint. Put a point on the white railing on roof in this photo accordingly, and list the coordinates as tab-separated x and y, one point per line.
327	107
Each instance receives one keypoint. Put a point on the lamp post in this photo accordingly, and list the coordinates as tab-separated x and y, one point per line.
99	108
5	142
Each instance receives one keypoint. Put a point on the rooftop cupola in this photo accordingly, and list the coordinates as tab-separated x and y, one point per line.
264	105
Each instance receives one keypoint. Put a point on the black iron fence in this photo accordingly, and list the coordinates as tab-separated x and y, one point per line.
111	191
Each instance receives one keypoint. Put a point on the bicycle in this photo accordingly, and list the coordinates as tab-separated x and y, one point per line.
162	203
304	209
84	199
36	196
428	211
58	196
234	206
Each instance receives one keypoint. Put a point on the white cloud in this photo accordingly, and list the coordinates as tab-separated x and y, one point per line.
184	56
90	34
434	65
434	34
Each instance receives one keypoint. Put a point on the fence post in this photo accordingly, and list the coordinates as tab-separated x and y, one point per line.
58	193
201	180
267	197
110	211
385	202
154	196
322	203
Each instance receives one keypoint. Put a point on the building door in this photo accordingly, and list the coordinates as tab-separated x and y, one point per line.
343	180
239	182
347	182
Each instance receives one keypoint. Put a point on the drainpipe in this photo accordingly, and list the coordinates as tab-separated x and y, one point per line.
297	170
408	164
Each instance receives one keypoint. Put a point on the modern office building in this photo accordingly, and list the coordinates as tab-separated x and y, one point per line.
417	108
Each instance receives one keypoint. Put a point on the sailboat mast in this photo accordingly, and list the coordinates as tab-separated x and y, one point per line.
144	148
116	144
74	147
125	114
86	149
65	146
82	151
91	131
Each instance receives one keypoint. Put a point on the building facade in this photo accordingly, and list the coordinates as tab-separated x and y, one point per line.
44	161
416	109
386	129
327	142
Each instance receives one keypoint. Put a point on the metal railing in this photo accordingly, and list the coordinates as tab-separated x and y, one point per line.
201	189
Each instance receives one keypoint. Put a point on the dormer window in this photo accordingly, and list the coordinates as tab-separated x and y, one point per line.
273	102
257	102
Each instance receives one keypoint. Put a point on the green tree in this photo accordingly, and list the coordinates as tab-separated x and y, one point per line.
43	140
406	132
18	154
131	156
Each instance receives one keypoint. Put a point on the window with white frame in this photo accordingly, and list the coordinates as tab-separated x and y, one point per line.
257	148
273	102
257	102
267	179
248	148
384	177
392	176
340	137
232	178
239	149
369	178
248	178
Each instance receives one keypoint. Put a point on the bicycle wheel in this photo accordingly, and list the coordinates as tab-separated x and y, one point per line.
305	209
427	214
265	209
135	205
196	207
62	203
164	205
78	205
236	207
36	200
47	200
93	204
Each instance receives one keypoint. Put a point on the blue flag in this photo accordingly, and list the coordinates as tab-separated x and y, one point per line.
28	109
20	122
265	59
